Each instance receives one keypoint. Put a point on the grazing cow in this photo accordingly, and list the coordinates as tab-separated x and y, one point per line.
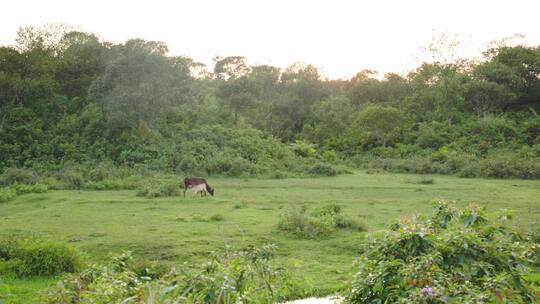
197	184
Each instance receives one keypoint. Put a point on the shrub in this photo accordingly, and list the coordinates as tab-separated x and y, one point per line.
429	139
509	166
24	189
337	219
112	184
37	257
418	165
99	172
71	179
441	155
329	155
278	175
304	149
323	169
453	256
18	175
503	165
301	223
458	161
319	223
245	276
7	194
159	189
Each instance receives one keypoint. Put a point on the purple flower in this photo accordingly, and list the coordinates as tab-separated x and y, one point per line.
426	291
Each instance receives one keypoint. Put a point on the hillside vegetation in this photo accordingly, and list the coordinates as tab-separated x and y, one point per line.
70	98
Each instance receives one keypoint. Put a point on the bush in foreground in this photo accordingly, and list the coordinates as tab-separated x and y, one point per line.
451	257
33	256
246	276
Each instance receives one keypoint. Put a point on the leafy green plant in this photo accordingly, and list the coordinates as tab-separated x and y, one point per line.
456	256
245	276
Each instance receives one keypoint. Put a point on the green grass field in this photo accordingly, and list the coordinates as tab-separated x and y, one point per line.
176	229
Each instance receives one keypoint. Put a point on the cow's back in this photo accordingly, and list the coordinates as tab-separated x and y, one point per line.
193	181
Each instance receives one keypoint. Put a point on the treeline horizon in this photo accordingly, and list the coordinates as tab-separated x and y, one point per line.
68	97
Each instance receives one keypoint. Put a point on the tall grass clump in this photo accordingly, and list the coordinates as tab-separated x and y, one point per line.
318	223
32	256
453	256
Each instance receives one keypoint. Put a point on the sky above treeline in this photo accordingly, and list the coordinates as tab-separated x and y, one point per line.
339	37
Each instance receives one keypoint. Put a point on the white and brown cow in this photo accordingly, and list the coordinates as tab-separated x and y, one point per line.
197	184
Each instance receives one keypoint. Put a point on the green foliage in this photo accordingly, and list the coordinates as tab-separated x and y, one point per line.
318	223
68	99
159	189
504	166
499	165
24	189
32	256
428	138
304	149
323	169
7	194
381	122
246	276
456	256
419	165
329	155
18	175
300	222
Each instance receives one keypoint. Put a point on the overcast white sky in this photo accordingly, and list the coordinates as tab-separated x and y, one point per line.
340	37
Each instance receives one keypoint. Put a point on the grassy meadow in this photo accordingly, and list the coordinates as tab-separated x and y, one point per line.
175	230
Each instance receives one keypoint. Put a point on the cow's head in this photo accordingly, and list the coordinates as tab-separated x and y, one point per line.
210	190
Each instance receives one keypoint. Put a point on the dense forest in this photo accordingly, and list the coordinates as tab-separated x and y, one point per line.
70	99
